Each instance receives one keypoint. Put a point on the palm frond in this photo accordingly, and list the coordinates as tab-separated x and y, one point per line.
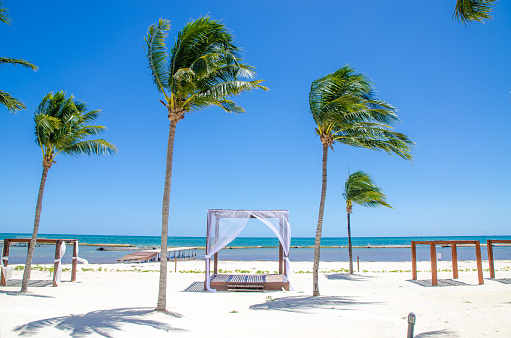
91	147
344	101
62	125
157	54
24	63
467	11
11	103
361	189
3	14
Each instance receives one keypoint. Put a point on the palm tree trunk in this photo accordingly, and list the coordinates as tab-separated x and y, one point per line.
349	245
162	289
317	242
31	245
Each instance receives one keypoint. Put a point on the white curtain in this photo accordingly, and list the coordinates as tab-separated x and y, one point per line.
225	225
58	271
6	271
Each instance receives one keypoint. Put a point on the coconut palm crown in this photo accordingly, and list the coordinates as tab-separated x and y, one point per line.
62	125
345	110
360	189
203	69
473	10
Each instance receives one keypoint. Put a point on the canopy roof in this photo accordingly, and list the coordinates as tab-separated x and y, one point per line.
225	225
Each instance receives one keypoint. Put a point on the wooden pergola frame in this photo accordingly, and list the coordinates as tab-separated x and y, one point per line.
489	247
454	256
275	282
57	242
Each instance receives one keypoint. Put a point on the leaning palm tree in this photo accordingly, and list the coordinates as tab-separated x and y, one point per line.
62	125
360	189
345	111
203	69
473	10
11	103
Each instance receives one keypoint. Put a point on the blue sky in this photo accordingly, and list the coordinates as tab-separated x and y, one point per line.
450	83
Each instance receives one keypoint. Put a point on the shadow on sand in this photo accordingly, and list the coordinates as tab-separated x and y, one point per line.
101	322
303	303
347	276
440	282
31	283
438	333
501	280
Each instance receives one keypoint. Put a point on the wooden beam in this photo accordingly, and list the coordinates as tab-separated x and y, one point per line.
414	261
281	257
489	247
479	263
56	264
432	249
215	263
454	256
74	261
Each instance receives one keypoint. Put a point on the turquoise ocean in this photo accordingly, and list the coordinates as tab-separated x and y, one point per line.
255	248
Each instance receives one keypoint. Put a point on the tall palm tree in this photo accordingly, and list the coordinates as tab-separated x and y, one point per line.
11	103
203	69
473	10
62	125
360	189
345	111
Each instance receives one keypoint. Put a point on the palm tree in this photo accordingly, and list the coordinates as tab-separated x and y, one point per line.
62	126
11	103
360	189
345	111
203	69
473	10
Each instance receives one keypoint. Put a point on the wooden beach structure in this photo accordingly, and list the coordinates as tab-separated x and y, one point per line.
223	226
489	247
58	255
454	258
145	256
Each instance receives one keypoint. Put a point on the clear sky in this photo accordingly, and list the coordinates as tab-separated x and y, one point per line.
450	83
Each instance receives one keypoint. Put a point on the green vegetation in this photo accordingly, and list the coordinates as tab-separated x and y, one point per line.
203	69
473	10
360	189
62	125
6	99
345	111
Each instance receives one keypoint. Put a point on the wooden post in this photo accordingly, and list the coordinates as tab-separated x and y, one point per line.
281	257
215	264
358	264
489	247
432	249
414	261
454	256
175	263
74	261
56	264
5	253
479	263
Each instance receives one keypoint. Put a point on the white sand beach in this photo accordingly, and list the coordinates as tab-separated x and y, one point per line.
117	300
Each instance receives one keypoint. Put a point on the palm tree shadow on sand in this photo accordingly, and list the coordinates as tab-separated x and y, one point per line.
101	322
304	303
347	276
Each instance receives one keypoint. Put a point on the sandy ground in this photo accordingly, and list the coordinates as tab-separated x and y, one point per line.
371	303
